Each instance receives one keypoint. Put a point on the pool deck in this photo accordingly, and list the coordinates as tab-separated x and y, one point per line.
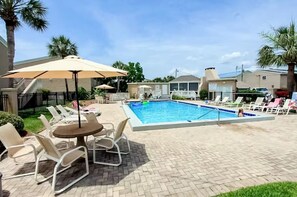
191	161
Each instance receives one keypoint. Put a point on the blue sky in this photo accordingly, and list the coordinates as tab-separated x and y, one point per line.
188	35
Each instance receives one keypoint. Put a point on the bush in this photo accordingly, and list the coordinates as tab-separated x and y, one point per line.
176	97
15	120
45	93
83	94
203	94
249	95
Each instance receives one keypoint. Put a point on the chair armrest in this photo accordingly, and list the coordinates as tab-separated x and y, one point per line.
71	151
108	123
29	137
23	145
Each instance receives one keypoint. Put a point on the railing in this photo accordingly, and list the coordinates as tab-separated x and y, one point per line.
186	94
215	109
3	102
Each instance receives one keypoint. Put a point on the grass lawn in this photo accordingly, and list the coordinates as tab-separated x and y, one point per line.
31	121
267	190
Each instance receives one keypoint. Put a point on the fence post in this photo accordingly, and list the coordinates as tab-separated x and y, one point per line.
64	99
35	103
12	101
56	98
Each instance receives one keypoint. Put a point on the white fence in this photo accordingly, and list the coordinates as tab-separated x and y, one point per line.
185	94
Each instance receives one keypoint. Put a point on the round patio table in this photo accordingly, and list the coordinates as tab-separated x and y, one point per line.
72	131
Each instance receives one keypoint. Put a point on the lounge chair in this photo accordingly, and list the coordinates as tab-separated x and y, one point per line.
236	103
16	146
285	109
99	99
270	105
216	101
255	105
64	159
49	132
224	101
94	108
110	141
57	117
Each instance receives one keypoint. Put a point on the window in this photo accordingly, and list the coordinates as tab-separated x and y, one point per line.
263	77
173	86
193	87
183	86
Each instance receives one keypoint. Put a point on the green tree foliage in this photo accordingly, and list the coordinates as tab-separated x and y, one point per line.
203	94
164	79
61	47
31	12
281	50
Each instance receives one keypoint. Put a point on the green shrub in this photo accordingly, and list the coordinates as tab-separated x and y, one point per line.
249	95
203	94
15	120
176	97
45	93
83	94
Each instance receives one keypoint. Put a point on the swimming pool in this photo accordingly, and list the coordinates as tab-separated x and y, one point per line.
172	111
173	114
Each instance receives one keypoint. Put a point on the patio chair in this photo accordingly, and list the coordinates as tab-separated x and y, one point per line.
225	100
255	105
16	146
94	108
57	117
99	99
49	132
216	101
111	141
285	109
271	105
236	103
63	159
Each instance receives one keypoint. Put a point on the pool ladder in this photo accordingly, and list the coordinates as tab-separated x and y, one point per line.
215	109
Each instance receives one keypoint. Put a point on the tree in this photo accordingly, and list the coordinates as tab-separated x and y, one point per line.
119	65
31	12
165	79
62	47
280	51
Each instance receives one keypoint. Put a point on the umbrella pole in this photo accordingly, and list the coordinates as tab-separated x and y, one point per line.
77	100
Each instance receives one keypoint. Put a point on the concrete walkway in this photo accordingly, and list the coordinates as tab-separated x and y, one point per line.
193	161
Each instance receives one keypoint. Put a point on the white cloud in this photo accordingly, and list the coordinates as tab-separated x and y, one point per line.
191	58
231	56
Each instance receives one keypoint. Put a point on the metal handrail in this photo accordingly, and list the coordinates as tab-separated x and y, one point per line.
217	109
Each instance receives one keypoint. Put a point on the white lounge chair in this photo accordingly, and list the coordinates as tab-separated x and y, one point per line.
110	141
285	109
94	108
236	103
271	105
225	100
64	159
16	146
255	105
216	101
49	132
57	117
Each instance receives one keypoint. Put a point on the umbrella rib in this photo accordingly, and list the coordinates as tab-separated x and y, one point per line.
100	74
40	74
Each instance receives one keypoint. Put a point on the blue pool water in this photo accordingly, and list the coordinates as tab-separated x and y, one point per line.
172	111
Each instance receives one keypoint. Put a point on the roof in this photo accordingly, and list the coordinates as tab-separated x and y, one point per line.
148	83
185	78
277	70
224	79
232	74
39	59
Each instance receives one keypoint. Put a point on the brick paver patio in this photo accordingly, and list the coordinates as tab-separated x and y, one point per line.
193	161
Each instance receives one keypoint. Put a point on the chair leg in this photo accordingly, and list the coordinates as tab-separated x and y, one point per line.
105	163
73	182
5	151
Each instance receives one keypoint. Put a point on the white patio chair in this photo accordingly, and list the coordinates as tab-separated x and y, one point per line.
225	100
236	103
63	159
110	141
257	104
49	132
16	146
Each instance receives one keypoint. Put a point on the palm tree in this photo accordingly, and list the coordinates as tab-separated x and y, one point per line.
31	12
281	51
62	47
119	65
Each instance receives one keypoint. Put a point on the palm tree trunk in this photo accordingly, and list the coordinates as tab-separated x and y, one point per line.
10	50
291	78
67	90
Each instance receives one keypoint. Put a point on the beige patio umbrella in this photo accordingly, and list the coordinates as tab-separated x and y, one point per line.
69	67
104	87
145	87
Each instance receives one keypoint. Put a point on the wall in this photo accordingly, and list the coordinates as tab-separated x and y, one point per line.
225	86
3	63
133	87
58	85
